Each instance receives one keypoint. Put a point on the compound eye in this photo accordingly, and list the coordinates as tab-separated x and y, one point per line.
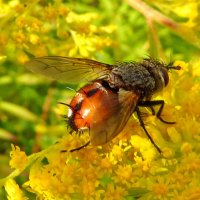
165	76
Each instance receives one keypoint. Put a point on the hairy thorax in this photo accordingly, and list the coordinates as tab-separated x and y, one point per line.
133	77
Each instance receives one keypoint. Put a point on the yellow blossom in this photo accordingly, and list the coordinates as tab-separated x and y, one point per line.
186	148
50	12
88	187
34	39
145	147
35	25
196	70
45	180
114	193
143	165
19	37
117	153
13	191
167	152
124	174
19	159
160	190
106	164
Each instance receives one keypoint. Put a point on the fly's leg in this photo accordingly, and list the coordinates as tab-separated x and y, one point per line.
145	130
152	110
81	147
78	148
151	104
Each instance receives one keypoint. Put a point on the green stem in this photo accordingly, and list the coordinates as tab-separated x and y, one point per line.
156	50
151	14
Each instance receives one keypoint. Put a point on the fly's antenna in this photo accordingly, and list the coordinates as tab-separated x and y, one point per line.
178	67
171	66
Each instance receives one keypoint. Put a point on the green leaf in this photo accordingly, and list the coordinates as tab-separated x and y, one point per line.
4	134
135	193
18	111
105	180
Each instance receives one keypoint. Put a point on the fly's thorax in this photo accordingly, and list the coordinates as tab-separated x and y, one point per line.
132	77
145	77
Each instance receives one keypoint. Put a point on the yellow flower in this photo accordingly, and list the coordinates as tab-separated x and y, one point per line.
106	164
114	192
50	12
145	147
19	160
192	193
196	70
34	39
13	191
88	187
143	165
116	154
124	174
19	37
160	190
186	148
43	179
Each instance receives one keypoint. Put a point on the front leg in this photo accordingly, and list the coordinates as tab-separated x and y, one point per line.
151	104
76	149
145	130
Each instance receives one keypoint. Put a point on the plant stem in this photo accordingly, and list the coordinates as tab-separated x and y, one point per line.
180	29
152	14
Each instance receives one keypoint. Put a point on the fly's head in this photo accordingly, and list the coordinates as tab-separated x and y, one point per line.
159	71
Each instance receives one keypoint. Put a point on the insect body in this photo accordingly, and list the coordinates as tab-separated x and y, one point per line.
113	93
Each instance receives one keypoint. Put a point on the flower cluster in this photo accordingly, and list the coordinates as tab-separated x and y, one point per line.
37	27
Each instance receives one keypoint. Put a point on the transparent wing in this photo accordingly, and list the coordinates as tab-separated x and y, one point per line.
117	111
71	70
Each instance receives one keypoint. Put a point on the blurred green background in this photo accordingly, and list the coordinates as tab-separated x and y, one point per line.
108	31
